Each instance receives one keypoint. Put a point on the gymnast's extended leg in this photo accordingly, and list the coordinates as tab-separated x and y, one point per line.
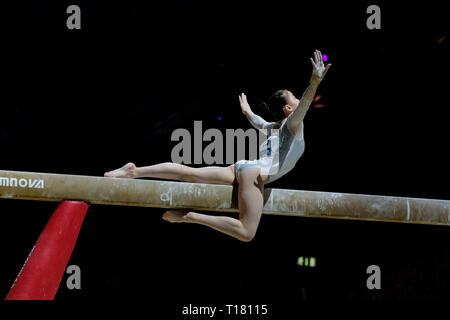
175	171
250	195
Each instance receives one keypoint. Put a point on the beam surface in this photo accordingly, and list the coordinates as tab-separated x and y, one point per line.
219	198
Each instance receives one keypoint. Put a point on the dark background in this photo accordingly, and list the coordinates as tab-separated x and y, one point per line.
87	101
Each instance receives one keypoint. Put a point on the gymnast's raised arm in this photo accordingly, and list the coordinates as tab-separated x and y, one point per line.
319	71
255	120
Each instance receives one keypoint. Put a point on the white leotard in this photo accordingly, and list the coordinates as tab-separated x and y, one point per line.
279	153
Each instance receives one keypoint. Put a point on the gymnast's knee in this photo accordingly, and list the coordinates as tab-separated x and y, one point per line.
248	235
185	173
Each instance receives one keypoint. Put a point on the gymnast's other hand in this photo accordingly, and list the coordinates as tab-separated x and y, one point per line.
245	107
319	70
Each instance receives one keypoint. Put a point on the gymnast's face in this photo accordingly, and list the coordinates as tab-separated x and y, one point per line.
292	103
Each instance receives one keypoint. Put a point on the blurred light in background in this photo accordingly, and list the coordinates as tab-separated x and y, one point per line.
441	39
219	118
306	261
318	105
325	57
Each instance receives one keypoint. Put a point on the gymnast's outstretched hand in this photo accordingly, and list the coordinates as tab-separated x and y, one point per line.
245	107
319	70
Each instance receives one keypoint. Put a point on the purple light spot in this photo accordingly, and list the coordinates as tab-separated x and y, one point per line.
219	118
325	57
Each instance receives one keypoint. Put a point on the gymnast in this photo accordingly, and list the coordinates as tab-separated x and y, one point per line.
251	176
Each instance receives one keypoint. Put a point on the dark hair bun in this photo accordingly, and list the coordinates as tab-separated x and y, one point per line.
264	111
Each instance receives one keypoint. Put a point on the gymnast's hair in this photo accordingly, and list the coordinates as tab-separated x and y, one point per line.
273	108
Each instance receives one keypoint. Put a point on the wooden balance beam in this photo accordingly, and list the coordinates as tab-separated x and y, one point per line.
219	198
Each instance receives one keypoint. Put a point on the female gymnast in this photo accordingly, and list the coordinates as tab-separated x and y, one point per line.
251	176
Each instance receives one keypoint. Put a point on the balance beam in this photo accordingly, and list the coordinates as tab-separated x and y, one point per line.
219	198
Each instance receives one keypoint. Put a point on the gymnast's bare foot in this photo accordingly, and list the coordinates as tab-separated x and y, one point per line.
176	215
127	171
